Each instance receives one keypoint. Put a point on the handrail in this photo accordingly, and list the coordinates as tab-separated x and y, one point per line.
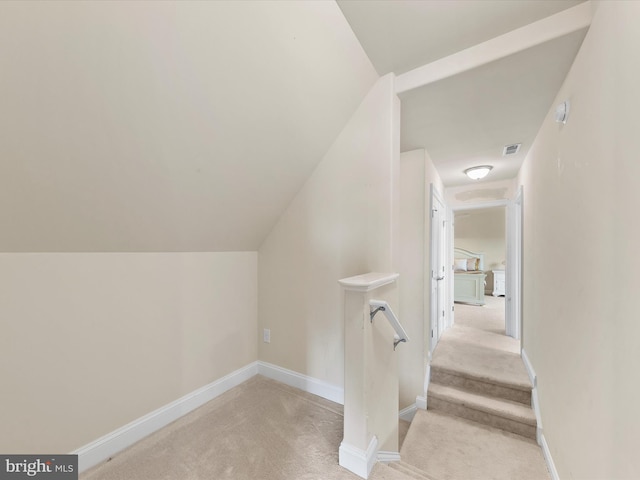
382	306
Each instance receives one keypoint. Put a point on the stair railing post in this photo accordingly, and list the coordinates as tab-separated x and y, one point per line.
371	374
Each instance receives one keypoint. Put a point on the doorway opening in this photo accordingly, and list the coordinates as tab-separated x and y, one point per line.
480	258
502	266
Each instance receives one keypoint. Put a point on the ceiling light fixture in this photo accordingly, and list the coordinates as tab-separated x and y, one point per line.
476	173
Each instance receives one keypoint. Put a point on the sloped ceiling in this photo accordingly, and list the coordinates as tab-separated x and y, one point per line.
467	119
400	35
166	126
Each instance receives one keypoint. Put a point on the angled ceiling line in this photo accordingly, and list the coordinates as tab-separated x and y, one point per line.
536	33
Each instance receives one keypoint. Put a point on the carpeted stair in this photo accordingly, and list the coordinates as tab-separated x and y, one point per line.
439	446
486	385
479	424
443	447
462	398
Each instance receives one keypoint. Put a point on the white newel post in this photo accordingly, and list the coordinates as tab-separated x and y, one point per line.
371	373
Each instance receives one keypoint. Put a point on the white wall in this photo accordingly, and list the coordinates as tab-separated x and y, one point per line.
91	341
417	172
338	225
166	126
580	256
411	268
472	194
483	231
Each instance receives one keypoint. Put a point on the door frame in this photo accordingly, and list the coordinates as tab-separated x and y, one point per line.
513	270
514	259
433	332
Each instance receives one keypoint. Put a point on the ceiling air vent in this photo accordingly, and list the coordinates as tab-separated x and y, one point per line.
511	149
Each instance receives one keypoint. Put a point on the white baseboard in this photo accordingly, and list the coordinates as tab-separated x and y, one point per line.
547	456
536	409
427	377
302	382
527	364
357	460
421	401
408	413
387	457
103	448
535	405
534	392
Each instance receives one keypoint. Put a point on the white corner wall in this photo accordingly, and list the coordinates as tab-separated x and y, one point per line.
92	341
337	226
411	268
580	263
417	172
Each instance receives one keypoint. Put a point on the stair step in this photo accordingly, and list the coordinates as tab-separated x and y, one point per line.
409	470
482	385
506	415
446	447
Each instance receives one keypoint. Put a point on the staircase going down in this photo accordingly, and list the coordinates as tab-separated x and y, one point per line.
479	423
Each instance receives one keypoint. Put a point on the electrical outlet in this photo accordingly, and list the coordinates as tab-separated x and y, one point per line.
266	336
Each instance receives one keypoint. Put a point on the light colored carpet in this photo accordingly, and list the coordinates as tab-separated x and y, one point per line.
403	428
265	430
476	345
488	317
450	448
261	429
383	472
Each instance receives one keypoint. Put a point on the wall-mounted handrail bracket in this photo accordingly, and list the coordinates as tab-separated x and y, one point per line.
397	340
382	306
373	312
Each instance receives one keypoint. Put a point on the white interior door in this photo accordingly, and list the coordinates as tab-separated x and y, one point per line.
438	271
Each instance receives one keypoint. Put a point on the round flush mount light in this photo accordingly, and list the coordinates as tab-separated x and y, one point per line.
476	173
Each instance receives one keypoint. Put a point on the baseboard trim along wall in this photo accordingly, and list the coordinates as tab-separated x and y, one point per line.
529	367
533	378
356	460
103	448
421	401
408	413
387	457
535	404
302	382
547	456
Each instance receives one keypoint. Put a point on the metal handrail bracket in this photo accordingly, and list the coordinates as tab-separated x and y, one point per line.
382	306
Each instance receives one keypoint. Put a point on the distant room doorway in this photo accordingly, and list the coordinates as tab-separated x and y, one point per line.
480	255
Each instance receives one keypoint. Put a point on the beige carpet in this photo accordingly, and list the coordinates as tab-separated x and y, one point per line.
450	448
264	430
259	430
477	345
488	317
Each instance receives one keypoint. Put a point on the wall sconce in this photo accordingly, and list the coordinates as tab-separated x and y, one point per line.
476	173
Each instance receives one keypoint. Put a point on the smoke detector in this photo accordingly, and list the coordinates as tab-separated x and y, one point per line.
511	149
